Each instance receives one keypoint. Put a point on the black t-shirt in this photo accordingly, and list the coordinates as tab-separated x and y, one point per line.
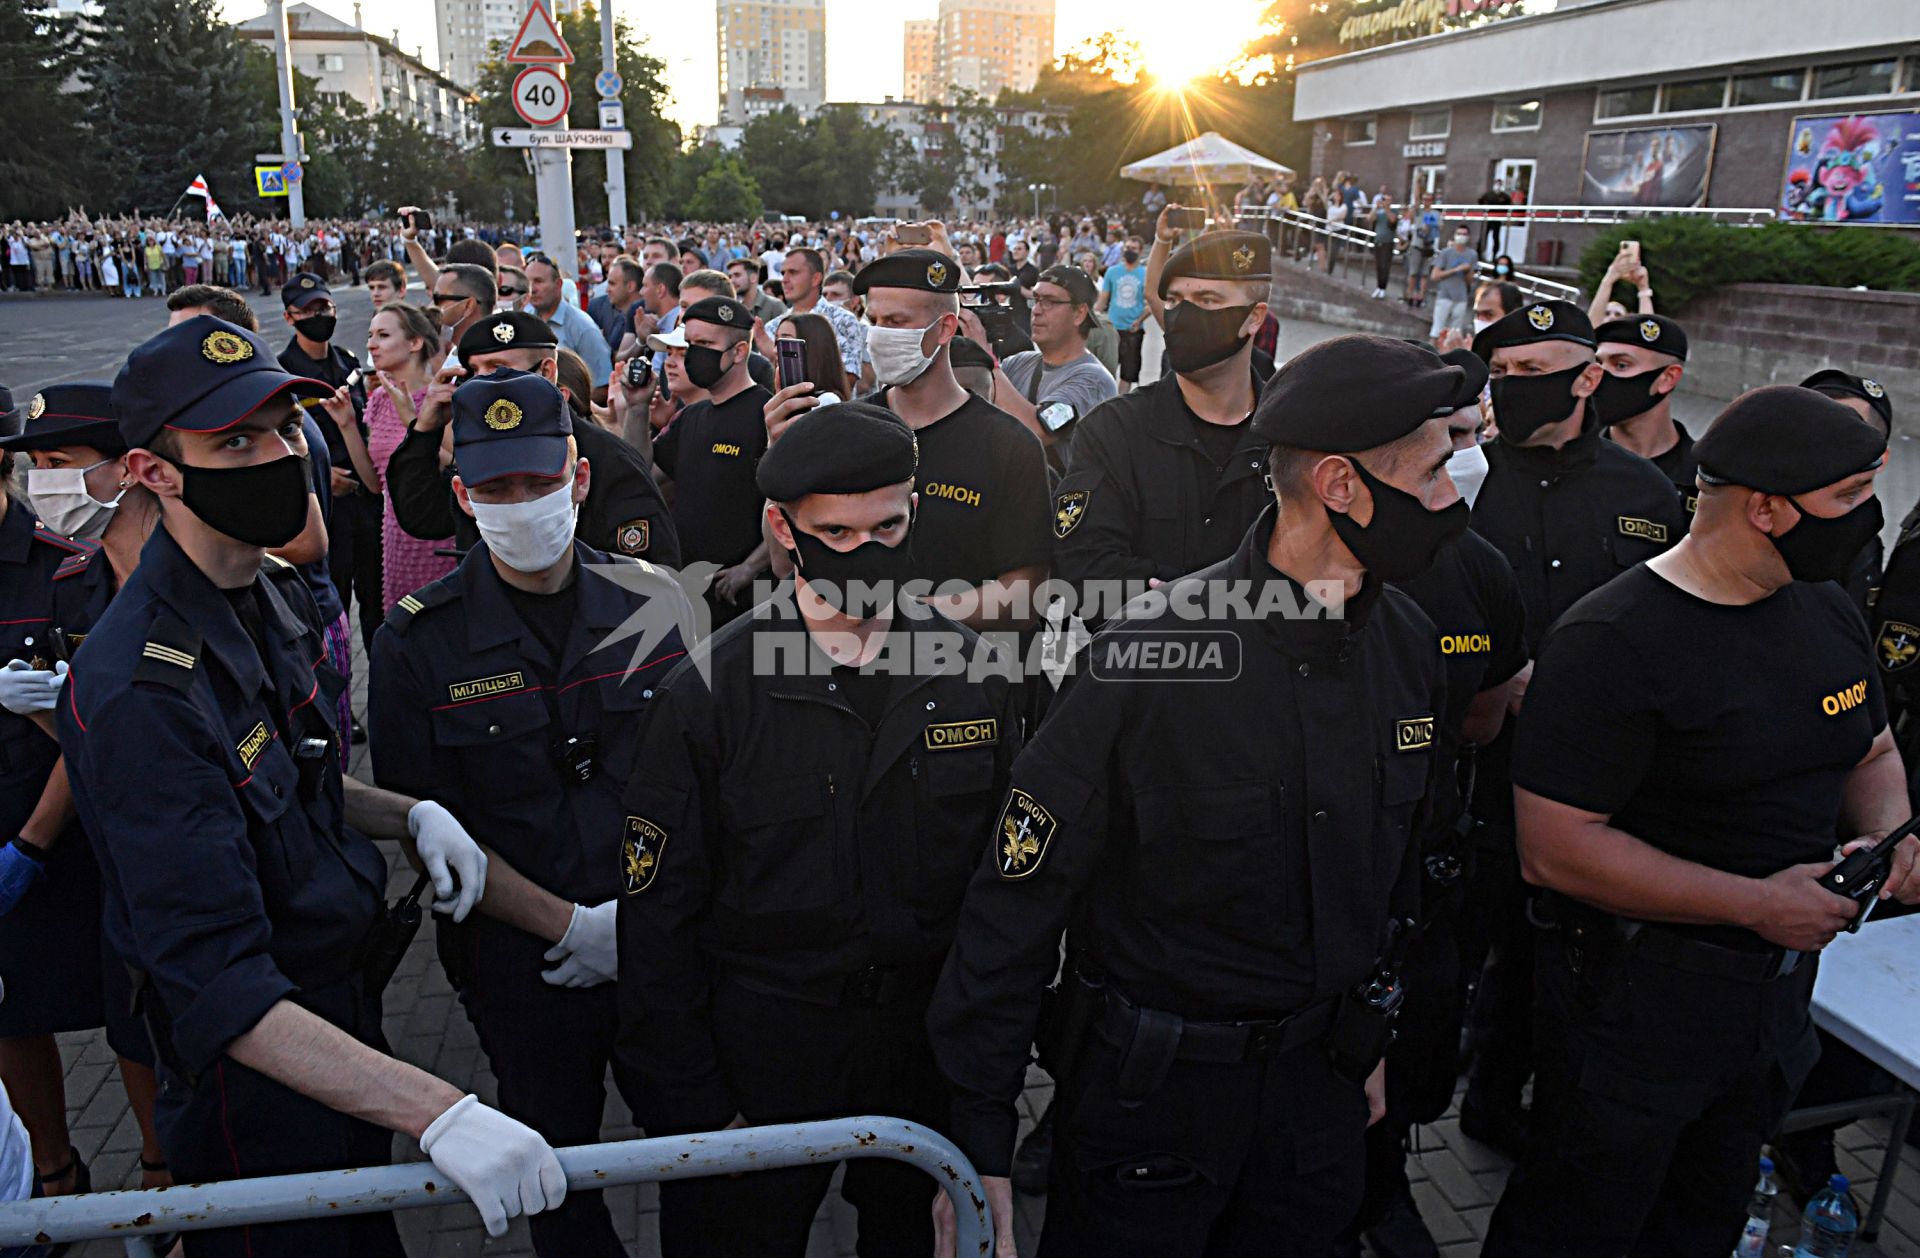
333	370
1219	441
984	506
866	690
1722	735
711	452
549	616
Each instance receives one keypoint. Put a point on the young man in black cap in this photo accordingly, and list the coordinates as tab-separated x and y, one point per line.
248	940
805	811
1166	479
1225	870
1060	381
1570	512
503	690
1644	359
1679	783
624	513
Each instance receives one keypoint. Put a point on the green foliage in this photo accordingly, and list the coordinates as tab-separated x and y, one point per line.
1688	258
36	55
834	161
947	172
726	193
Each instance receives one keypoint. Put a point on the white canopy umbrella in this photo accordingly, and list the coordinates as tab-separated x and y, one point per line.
1205	160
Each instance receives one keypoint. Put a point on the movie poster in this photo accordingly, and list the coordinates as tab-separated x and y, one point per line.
1652	166
1853	168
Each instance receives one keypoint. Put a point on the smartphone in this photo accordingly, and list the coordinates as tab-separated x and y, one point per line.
792	353
1630	251
420	220
913	234
1185	219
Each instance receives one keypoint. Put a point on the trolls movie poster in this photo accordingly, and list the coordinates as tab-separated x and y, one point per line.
1853	168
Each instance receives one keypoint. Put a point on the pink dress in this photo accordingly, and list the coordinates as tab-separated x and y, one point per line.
406	562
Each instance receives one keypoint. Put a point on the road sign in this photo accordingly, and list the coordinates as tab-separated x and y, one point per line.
608	83
613	115
539	41
270	181
541	96
292	172
518	138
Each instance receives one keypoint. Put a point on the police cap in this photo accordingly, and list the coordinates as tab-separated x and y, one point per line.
509	329
1655	332
1357	392
10	416
724	311
509	423
845	449
1784	439
1535	322
928	270
1838	384
200	375
1246	256
69	415
303	290
1476	381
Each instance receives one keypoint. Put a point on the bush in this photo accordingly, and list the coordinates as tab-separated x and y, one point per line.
1689	258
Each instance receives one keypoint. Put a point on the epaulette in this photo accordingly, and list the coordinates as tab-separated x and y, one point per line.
429	596
72	545
171	654
75	564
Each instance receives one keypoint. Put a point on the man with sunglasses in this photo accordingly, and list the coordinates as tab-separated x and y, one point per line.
464	294
512	288
1050	387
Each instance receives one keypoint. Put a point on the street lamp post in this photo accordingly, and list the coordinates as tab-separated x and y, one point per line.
1036	189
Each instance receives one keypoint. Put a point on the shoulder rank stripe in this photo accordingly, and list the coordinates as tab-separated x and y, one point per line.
412	604
167	655
73	564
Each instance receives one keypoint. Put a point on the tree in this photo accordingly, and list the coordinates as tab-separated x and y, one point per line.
40	139
959	150
726	194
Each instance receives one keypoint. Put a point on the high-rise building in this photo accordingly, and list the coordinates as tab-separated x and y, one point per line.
772	53
917	61
986	45
468	29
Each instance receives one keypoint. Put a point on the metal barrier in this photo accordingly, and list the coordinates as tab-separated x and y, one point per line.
369	1190
1361	242
1599	215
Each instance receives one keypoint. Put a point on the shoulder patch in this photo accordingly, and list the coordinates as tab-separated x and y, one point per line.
171	655
73	565
642	844
1898	645
1023	835
633	537
1646	530
72	545
1068	508
440	592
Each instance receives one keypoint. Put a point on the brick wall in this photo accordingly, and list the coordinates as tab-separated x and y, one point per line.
1753	334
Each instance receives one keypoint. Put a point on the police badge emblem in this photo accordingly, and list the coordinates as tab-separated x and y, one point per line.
1541	318
1068	509
642	843
1898	645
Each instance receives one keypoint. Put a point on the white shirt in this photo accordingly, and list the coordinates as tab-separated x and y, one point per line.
16	1155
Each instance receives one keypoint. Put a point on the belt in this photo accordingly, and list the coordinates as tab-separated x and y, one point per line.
868	988
1709	960
1224	1042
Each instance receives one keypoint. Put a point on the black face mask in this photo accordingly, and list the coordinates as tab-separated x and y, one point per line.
834	574
1522	405
1404	536
1620	398
1822	548
705	367
1199	338
1130	256
316	327
264	504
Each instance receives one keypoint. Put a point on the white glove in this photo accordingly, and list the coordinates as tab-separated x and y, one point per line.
25	690
501	1163
589	953
446	849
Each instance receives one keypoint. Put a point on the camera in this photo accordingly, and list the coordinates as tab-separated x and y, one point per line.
639	372
1003	313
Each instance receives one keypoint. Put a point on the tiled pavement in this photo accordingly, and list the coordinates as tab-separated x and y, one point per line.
1456	1180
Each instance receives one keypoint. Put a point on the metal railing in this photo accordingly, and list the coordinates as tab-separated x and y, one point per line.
1598	215
370	1190
1352	246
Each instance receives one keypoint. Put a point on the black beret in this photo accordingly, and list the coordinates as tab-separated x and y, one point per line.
724	311
1783	439
1078	283
928	270
304	289
1476	381
1836	383
1655	332
1221	256
845	449
1356	392
69	415
509	329
1535	322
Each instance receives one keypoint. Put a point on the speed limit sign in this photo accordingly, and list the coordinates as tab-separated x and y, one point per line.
541	96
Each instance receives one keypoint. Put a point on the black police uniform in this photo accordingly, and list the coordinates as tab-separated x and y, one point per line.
1864	576
1241	883
795	869
1663	336
1896	636
710	451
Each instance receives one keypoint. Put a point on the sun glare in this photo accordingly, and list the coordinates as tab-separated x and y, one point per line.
1196	39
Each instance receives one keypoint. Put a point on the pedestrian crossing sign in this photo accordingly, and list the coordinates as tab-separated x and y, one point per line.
270	181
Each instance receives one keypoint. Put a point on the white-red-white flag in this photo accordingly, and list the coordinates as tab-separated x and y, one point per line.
213	209
198	188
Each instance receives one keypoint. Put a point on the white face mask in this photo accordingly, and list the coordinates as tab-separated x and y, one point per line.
1469	471
1481	325
529	536
897	358
61	500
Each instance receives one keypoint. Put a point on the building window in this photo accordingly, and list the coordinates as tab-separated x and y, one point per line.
1360	131
1769	89
1516	115
1429	124
1623	102
1862	78
1693	94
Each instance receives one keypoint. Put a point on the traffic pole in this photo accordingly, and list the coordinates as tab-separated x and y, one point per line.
289	133
616	160
553	185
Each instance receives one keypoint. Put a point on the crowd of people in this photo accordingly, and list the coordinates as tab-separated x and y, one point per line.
712	594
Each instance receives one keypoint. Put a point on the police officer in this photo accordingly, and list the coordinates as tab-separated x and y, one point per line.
802	821
1570	512
1868	399
1229	834
502	690
1679	783
247	940
624	513
1166	480
1644	358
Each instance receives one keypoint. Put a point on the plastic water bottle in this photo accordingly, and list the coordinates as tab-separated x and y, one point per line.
1827	1228
1753	1237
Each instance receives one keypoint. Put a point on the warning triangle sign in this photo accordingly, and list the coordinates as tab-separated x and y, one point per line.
539	41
